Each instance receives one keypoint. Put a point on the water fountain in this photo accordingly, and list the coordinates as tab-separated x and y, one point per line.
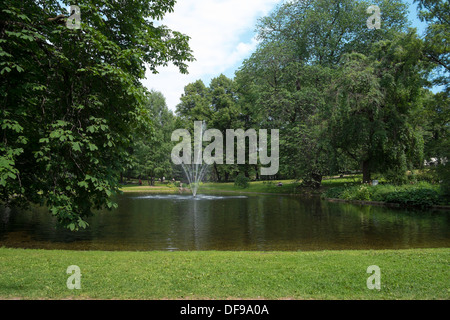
194	174
196	170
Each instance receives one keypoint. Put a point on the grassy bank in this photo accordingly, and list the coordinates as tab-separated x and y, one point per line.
288	187
349	188
405	274
421	194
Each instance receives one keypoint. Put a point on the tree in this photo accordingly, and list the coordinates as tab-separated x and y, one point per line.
195	102
376	100
321	31
302	44
217	106
290	97
437	37
151	152
71	100
225	115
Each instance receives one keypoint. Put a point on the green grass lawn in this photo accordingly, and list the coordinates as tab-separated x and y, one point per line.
289	187
405	274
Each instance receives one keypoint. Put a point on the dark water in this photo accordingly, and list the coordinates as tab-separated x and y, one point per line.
208	222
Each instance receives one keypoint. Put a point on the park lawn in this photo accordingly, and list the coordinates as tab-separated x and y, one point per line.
405	274
147	188
288	187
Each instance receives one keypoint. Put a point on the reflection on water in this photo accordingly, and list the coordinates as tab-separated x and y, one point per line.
210	222
186	197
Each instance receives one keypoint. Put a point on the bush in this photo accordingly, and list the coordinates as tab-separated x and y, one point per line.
427	175
414	197
444	176
422	194
361	192
395	176
334	193
241	181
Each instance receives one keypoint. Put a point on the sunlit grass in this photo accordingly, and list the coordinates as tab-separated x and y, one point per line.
405	274
287	187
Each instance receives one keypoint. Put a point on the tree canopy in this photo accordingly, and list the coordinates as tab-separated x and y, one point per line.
345	97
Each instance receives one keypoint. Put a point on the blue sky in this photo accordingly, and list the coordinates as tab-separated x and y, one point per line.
222	36
414	18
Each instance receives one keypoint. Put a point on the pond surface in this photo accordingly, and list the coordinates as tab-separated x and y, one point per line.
211	222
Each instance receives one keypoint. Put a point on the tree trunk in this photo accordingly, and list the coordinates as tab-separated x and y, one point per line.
257	173
366	171
217	172
317	178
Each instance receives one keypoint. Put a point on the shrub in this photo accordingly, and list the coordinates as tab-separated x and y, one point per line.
334	193
428	175
241	181
444	177
361	192
422	194
415	197
395	176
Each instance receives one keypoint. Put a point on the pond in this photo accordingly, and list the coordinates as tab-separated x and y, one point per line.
146	222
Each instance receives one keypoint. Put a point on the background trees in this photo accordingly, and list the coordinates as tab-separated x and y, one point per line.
345	98
217	106
322	85
437	37
151	152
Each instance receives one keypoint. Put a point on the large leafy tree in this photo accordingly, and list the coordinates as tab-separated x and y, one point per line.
289	95
376	100
216	105
71	99
302	46
321	31
436	13
195	103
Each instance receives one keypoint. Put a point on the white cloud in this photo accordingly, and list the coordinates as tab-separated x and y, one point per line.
219	31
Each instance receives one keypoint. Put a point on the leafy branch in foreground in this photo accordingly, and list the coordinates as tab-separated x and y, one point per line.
71	100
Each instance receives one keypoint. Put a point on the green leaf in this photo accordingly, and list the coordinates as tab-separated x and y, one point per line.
92	147
5	69
76	146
